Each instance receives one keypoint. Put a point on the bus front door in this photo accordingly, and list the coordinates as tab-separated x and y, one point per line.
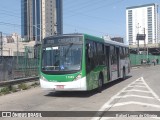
118	61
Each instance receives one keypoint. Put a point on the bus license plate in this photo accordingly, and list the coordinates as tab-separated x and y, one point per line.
60	86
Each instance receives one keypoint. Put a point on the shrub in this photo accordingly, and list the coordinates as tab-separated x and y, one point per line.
35	84
13	89
5	90
23	86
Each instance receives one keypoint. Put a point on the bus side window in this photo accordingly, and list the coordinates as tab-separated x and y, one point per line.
121	53
124	53
115	55
89	55
100	52
127	52
96	54
112	54
103	54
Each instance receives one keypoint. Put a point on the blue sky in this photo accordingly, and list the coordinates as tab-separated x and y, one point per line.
95	17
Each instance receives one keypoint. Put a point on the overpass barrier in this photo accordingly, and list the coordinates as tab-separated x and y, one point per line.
138	59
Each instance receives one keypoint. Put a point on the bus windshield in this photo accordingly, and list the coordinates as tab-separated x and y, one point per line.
65	57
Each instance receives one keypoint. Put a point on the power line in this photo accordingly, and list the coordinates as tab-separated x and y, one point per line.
9	11
86	4
10	15
99	18
17	25
97	8
10	24
91	29
75	3
75	26
95	17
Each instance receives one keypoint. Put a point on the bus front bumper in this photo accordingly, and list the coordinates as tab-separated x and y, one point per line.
77	85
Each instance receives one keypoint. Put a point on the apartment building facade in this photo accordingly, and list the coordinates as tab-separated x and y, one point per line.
142	19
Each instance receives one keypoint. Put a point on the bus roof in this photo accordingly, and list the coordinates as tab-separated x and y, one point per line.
95	38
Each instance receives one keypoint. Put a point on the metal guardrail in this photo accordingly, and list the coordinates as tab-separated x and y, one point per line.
17	81
147	45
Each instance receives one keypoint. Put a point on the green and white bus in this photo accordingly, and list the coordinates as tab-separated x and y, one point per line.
81	62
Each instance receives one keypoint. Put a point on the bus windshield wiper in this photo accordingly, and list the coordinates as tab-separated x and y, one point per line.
68	49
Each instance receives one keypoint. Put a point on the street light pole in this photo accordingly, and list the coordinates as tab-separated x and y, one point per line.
17	47
147	52
138	40
1	44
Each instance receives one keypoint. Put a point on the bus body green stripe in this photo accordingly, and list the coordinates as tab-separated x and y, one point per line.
60	78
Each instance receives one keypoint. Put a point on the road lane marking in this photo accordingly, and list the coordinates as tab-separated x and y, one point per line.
134	90
107	106
136	103
131	103
139	96
137	86
139	83
154	94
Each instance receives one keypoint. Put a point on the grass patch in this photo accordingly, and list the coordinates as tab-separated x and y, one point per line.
35	84
5	90
23	86
13	89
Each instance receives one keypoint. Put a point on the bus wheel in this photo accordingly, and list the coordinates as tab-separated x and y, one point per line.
100	84
124	74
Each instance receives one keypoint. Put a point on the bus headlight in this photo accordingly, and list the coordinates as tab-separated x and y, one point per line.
78	77
43	78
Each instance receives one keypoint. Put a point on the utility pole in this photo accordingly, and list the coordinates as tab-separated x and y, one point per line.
138	40
17	47
145	47
41	21
144	40
1	45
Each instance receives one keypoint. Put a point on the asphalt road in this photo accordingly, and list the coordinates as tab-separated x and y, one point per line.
139	92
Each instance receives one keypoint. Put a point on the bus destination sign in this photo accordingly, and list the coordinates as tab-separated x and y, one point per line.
64	40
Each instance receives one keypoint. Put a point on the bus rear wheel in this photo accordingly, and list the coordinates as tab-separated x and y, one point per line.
100	83
124	74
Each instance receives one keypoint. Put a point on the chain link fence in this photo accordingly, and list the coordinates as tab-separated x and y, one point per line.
23	65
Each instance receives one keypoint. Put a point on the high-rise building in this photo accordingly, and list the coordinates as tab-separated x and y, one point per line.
27	19
142	19
41	18
37	20
59	8
52	20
